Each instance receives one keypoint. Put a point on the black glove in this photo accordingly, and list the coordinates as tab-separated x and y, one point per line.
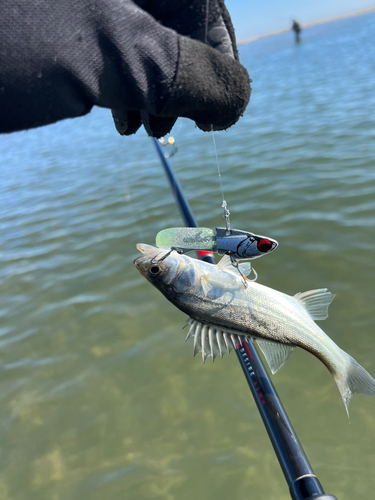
58	58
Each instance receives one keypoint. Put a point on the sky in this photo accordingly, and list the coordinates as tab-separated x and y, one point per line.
252	18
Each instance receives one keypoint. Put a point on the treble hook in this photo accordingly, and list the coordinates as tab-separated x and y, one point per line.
235	264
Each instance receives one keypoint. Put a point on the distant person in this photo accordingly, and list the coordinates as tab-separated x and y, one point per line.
296	27
148	61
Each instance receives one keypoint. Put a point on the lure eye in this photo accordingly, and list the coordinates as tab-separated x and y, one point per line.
264	245
154	270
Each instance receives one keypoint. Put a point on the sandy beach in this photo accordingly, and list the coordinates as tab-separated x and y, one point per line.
308	25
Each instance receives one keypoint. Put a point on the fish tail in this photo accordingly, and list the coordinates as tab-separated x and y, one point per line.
355	379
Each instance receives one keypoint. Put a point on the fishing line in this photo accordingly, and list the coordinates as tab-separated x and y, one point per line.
217	164
224	204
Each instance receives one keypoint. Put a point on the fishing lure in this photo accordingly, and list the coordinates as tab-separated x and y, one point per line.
239	245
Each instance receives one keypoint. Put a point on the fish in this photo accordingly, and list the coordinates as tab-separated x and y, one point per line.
223	313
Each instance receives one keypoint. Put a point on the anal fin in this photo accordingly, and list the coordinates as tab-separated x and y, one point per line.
276	354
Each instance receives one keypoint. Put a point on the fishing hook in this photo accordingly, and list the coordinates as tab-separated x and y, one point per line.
178	250
235	264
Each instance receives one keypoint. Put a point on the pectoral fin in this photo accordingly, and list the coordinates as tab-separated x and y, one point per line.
316	302
276	354
206	286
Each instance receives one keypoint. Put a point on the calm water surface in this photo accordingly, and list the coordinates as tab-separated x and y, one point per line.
100	396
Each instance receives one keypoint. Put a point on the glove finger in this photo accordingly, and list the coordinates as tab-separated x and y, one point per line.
230	29
210	87
134	122
189	18
156	126
127	122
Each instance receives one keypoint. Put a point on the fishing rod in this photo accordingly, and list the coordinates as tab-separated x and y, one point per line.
299	475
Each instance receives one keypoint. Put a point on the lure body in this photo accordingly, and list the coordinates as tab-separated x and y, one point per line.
239	245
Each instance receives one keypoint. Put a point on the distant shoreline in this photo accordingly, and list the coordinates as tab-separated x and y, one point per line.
308	25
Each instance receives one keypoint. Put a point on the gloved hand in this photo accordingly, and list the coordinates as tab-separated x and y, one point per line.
143	59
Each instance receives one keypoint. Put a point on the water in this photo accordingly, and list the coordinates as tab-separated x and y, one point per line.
100	396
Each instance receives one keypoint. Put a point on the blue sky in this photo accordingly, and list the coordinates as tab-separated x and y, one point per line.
256	17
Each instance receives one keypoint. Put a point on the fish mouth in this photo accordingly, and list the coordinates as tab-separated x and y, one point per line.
145	249
137	262
148	251
151	255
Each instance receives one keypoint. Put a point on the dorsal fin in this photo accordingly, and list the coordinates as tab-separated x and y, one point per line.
316	302
225	264
276	354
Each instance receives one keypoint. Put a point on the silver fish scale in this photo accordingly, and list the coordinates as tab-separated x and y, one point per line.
253	313
257	312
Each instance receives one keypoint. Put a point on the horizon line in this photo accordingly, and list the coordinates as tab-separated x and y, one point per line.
308	25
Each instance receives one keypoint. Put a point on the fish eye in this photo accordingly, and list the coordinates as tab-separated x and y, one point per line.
154	270
264	245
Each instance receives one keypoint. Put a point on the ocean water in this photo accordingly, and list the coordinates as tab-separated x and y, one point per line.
99	395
